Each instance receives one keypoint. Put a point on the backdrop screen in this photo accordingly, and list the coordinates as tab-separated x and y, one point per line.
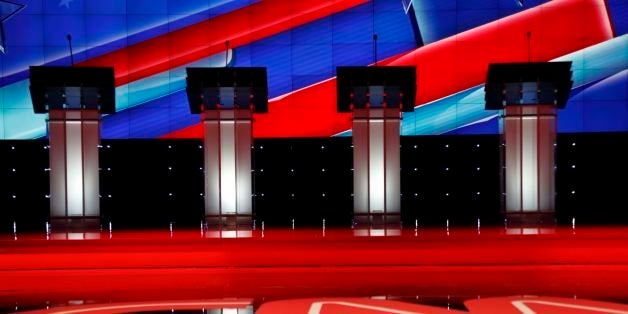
301	42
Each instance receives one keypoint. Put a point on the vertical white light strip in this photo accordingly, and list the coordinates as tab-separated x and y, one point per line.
243	167
74	168
212	167
91	136
57	166
360	166
547	136
377	168
227	168
529	166
393	164
512	134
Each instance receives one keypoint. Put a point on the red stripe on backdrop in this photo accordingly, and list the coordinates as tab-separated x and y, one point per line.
445	67
204	39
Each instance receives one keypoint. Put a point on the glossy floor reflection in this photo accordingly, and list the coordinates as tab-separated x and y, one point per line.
441	267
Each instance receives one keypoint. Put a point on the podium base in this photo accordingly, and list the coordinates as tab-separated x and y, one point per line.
523	220
229	221
377	220
74	224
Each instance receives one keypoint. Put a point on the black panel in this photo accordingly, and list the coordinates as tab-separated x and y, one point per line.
591	174
307	180
25	184
152	183
450	177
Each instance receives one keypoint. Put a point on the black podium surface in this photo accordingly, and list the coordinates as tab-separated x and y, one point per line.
358	85
227	88
528	83
59	87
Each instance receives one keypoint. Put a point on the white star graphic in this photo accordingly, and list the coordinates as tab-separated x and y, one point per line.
65	3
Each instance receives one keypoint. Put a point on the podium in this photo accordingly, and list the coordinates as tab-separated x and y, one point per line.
74	98
529	95
226	98
376	96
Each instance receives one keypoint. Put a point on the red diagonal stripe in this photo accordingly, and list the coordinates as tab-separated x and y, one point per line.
204	39
447	66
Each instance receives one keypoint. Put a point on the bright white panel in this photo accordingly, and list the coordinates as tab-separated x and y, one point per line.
529	164
74	168
228	188
377	189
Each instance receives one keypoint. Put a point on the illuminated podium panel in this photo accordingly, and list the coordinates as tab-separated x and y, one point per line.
529	95
226	98
74	99
376	96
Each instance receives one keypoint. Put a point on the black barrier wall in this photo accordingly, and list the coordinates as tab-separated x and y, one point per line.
153	183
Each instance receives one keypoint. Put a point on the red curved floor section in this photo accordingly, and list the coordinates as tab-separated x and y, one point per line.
281	264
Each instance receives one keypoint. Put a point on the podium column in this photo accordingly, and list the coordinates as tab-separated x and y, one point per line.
74	99
529	138
74	136
228	181
376	164
528	95
226	98
376	97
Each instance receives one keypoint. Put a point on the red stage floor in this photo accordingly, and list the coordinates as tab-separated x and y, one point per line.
253	269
